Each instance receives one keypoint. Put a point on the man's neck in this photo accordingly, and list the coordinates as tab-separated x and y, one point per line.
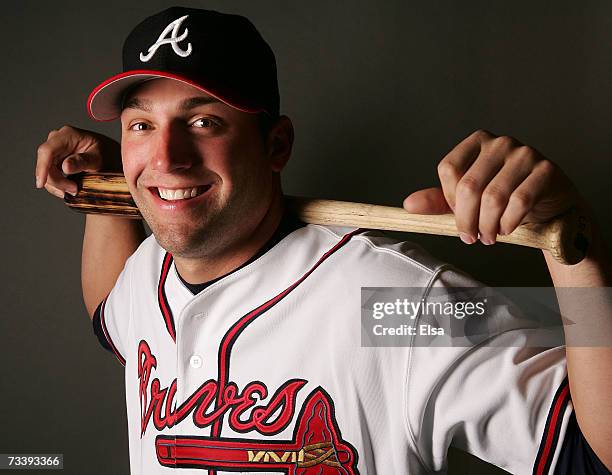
199	270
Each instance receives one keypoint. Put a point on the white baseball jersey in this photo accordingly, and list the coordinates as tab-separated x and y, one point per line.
264	370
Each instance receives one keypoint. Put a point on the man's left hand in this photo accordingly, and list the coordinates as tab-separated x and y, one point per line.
493	184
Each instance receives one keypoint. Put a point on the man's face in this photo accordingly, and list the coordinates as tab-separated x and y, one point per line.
198	169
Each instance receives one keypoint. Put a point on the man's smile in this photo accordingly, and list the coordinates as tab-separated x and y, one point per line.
174	194
175	198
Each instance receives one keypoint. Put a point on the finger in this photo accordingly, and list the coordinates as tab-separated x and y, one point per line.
81	162
525	196
496	194
454	165
55	148
54	190
471	186
427	201
44	159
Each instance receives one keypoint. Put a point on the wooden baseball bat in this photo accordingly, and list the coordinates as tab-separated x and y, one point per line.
566	237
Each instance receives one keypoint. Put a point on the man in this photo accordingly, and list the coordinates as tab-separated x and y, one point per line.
238	326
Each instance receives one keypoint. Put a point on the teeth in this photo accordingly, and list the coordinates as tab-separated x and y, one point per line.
180	194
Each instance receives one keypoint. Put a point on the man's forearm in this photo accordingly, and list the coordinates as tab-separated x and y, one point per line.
589	367
108	241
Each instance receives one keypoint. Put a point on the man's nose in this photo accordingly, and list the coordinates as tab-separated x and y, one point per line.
173	150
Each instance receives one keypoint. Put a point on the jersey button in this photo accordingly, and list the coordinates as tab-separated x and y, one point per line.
195	361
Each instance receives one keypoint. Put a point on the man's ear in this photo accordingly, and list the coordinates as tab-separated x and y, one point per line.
280	143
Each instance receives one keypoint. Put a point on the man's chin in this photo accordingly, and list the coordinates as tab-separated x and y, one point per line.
197	236
180	247
185	241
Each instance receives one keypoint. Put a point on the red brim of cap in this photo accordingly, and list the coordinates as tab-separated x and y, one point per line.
104	102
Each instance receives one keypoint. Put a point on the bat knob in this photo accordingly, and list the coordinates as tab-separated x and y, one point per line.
569	237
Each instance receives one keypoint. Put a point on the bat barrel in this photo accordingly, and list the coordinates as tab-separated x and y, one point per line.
103	193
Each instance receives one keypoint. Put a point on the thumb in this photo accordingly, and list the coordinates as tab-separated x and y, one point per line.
82	162
427	201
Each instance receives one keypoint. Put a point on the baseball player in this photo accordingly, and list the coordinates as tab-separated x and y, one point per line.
239	327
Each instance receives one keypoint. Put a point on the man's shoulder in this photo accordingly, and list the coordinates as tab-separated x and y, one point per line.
148	253
371	249
354	250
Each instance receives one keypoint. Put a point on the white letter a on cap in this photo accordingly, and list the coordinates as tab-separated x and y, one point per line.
174	39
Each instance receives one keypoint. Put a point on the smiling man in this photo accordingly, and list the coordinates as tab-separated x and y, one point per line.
202	175
239	327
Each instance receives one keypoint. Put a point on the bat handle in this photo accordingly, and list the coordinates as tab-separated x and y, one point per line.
565	237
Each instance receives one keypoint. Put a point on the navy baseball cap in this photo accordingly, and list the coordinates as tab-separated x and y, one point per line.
223	55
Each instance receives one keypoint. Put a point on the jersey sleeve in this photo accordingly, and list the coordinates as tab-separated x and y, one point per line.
112	316
576	455
505	399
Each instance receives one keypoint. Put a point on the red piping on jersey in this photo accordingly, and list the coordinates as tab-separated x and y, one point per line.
551	430
230	337
161	297
107	335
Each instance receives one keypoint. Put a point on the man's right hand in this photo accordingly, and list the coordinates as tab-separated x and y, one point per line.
70	150
108	241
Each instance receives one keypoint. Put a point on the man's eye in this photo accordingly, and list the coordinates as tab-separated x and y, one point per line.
204	123
139	126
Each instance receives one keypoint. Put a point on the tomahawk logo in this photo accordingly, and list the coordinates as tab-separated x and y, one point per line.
174	40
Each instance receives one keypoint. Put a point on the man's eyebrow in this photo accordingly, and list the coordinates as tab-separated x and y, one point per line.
193	102
136	103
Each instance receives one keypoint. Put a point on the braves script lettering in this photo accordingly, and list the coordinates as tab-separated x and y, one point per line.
158	403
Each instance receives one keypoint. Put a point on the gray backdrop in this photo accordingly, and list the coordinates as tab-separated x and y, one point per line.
378	92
